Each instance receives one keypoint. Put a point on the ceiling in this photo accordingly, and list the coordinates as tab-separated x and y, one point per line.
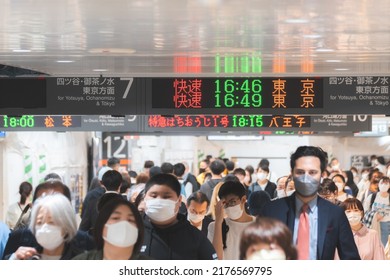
194	37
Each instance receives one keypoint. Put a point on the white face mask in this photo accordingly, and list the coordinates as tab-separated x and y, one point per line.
388	173
365	176
383	187
261	176
234	212
336	167
340	186
195	218
265	254
49	236
160	210
281	193
353	218
290	192
121	234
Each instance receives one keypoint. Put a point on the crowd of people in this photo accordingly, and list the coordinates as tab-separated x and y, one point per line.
318	211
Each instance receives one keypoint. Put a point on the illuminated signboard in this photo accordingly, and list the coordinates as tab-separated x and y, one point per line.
195	96
228	121
26	122
71	123
196	123
191	95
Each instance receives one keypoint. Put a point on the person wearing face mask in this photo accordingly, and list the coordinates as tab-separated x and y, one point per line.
364	183
52	233
25	240
328	190
168	234
281	187
318	226
267	239
262	182
118	233
367	240
377	208
339	181
226	239
197	207
372	185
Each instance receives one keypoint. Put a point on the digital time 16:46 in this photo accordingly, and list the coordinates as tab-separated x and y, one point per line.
238	93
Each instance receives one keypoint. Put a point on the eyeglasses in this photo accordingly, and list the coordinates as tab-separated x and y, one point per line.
232	202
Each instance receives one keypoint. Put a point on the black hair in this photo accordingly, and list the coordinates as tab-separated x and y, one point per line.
166	167
52	176
52	185
230	177
148	164
381	160
154	170
250	169
256	201
111	162
102	201
305	151
263	162
164	179
229	165
140	197
124	186
239	171
217	167
179	169
340	176
263	167
25	190
327	187
132	174
104	215
198	197
231	187
111	180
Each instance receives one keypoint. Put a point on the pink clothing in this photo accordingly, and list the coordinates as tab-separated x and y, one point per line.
369	245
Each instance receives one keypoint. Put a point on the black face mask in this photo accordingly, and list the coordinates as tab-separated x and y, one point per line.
201	170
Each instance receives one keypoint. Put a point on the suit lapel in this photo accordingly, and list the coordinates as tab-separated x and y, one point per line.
322	226
291	212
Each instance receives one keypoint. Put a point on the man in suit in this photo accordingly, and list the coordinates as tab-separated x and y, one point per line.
327	227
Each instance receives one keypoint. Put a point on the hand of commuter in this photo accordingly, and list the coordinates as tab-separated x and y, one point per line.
25	253
219	212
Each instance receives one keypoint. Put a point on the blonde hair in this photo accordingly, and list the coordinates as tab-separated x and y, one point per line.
214	199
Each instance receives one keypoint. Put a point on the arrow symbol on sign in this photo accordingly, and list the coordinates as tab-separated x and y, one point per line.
128	86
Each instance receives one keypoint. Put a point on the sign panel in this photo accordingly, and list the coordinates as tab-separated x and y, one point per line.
70	123
195	96
198	123
235	95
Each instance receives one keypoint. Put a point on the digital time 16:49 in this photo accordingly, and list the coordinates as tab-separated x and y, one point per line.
238	93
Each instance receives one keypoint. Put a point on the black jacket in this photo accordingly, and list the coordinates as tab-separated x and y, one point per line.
180	241
89	211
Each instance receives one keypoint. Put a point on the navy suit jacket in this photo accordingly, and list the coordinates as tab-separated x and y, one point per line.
334	230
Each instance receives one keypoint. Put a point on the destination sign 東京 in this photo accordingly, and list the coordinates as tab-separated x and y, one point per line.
195	95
